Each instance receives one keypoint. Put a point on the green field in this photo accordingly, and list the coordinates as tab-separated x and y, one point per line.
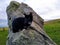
51	27
3	37
53	30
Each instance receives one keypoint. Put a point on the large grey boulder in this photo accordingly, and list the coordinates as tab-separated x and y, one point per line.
34	35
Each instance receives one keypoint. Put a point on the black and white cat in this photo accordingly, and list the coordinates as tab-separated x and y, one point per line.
22	22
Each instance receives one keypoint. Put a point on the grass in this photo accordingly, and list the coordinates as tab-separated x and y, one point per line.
53	30
51	27
3	37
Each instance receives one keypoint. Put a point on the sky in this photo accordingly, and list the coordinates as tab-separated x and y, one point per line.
47	9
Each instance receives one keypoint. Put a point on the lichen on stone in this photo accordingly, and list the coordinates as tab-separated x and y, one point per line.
13	6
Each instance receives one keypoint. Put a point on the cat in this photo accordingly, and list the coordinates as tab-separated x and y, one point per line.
22	22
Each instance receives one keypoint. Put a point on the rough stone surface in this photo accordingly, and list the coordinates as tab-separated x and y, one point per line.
34	35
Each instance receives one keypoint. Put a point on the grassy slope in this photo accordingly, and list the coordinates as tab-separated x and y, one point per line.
3	37
53	30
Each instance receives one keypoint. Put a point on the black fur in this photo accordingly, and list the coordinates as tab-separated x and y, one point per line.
22	23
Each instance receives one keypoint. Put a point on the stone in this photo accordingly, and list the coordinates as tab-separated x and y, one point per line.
33	35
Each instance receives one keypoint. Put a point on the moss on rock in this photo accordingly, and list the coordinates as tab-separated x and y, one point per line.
13	6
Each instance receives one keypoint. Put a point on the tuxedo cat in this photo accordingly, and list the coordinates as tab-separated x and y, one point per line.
22	22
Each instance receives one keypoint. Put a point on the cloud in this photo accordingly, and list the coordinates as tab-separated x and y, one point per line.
3	23
57	5
52	15
3	5
47	9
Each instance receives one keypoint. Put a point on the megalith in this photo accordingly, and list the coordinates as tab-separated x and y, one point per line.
34	34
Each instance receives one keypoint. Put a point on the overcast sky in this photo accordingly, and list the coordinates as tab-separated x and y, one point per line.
47	9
